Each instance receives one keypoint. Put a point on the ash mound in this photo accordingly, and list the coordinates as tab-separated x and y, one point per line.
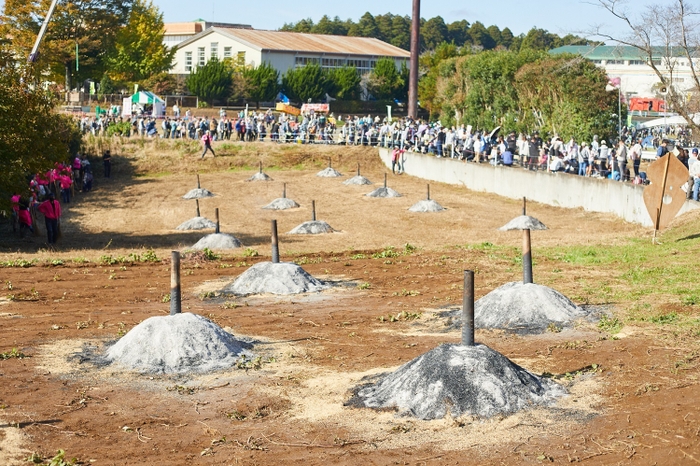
523	308
217	241
426	206
329	173
459	380
357	180
281	203
383	192
276	278
177	344
259	176
198	193
196	223
314	227
523	222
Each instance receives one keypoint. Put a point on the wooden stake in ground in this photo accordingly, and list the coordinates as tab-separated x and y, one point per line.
175	302
525	223
275	244
218	229
313	211
197	201
468	309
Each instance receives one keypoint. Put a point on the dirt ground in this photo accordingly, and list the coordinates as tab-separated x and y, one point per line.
627	404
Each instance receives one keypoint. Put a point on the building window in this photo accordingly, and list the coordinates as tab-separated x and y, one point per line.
240	59
188	61
201	57
637	62
227	52
214	49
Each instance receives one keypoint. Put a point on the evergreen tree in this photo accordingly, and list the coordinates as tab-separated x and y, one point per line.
385	81
262	83
433	33
306	83
344	83
211	82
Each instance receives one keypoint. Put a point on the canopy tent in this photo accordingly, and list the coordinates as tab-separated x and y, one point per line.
136	103
669	120
145	97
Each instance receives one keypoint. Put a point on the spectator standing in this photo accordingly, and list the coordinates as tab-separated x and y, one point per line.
634	155
695	174
622	159
107	161
663	149
51	209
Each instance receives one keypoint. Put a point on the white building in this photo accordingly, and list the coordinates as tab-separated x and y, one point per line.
176	33
630	65
283	50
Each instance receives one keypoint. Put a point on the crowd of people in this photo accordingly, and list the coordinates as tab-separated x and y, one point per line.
45	189
618	161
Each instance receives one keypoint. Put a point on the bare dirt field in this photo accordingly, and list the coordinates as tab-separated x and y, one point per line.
632	378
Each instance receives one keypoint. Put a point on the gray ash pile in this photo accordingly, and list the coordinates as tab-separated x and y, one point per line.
523	308
196	223
457	380
280	278
329	173
177	344
281	203
426	206
260	176
383	192
312	227
198	193
217	241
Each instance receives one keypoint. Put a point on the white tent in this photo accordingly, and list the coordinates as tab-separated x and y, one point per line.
142	98
669	120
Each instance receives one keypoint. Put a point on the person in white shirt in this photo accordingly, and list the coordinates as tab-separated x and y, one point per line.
635	157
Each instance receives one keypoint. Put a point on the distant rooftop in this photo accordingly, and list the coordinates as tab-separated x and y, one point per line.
283	41
614	52
197	26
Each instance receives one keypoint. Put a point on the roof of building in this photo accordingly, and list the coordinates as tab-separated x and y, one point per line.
283	41
614	52
197	26
182	28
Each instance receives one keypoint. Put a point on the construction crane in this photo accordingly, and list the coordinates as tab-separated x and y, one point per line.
35	50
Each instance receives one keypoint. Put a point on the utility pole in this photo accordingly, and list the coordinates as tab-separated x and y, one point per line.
415	52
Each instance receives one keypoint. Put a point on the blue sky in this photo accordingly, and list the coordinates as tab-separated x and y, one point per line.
557	16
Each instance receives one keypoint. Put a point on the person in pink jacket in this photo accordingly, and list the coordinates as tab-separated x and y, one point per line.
206	140
52	212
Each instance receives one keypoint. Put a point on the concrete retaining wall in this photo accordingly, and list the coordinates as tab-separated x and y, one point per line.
560	189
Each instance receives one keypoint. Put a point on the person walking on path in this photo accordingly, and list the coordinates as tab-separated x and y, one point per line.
206	140
52	212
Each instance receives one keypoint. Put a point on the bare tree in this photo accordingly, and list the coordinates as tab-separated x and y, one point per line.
662	33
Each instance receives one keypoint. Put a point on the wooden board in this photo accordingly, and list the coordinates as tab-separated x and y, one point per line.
670	190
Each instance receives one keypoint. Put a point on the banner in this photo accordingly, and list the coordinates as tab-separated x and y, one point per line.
323	108
280	107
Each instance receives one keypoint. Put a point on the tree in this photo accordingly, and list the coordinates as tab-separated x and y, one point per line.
344	83
365	27
566	95
458	32
211	82
433	33
538	39
385	81
480	36
401	32
262	83
35	137
89	25
139	51
663	34
506	38
306	83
